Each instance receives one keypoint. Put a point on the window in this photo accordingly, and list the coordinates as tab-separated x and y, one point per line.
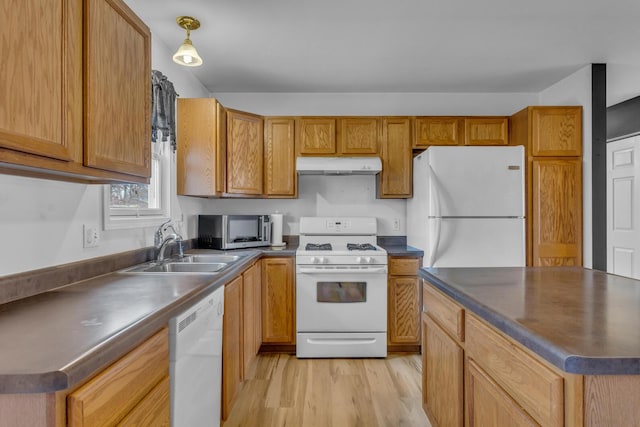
141	205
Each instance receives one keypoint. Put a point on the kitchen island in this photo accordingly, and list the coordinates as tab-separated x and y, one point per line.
530	346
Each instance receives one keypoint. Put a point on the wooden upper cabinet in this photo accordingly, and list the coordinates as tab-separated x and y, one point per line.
201	147
78	102
556	211
556	131
486	131
395	180
41	92
358	135
117	89
280	176
438	131
316	136
245	133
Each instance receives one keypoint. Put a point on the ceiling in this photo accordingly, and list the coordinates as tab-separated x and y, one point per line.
397	46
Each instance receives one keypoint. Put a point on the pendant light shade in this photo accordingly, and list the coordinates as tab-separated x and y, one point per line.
187	54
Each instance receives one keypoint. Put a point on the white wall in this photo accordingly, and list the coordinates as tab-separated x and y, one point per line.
324	196
576	90
41	220
623	82
381	104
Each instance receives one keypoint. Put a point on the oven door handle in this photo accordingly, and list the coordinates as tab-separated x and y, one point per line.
334	270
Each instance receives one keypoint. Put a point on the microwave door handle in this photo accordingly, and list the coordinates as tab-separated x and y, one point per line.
266	235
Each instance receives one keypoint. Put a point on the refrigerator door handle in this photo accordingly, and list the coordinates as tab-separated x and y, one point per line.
437	220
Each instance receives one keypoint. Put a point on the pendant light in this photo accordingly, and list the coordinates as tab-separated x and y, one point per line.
187	54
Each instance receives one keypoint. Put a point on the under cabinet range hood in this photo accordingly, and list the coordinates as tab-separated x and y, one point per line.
338	165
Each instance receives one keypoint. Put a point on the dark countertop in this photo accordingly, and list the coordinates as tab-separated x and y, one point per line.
582	321
403	250
56	339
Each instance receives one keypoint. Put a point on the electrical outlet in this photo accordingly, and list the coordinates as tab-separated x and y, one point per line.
396	224
90	236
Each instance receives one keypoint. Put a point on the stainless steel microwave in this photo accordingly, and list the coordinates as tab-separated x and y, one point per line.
233	231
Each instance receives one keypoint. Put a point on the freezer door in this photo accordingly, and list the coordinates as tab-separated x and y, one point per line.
477	243
478	181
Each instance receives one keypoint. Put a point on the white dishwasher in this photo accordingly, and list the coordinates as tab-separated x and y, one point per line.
195	369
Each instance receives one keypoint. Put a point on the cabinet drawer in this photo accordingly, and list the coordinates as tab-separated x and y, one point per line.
113	393
536	388
448	314
404	266
153	410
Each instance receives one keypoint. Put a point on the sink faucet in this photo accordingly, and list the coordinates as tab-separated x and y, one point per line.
162	241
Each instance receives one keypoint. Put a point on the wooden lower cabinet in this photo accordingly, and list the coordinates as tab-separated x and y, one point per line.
481	378
404	304
488	404
278	301
127	390
442	376
251	315
232	358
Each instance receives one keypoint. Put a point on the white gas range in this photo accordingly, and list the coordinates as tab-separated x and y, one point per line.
341	288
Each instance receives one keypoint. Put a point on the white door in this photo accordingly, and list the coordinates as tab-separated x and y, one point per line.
623	207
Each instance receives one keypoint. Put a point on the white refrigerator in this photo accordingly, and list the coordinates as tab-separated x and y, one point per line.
468	207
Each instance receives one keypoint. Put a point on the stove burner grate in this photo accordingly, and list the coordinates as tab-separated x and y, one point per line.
318	247
360	247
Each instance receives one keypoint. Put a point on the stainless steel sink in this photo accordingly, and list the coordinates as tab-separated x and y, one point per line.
210	258
178	267
202	263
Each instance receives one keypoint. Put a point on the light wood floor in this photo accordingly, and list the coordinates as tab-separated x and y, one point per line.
286	391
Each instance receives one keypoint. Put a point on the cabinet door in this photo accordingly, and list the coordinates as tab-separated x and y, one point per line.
245	133
201	151
111	395
556	217
395	179
154	410
556	131
117	83
442	376
359	135
251	309
486	131
41	85
438	131
280	158
232	357
404	310
278	301
316	136
488	404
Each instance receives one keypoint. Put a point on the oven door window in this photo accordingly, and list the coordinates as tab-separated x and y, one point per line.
339	292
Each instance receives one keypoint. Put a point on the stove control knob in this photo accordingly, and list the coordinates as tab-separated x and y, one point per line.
314	260
324	260
368	260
